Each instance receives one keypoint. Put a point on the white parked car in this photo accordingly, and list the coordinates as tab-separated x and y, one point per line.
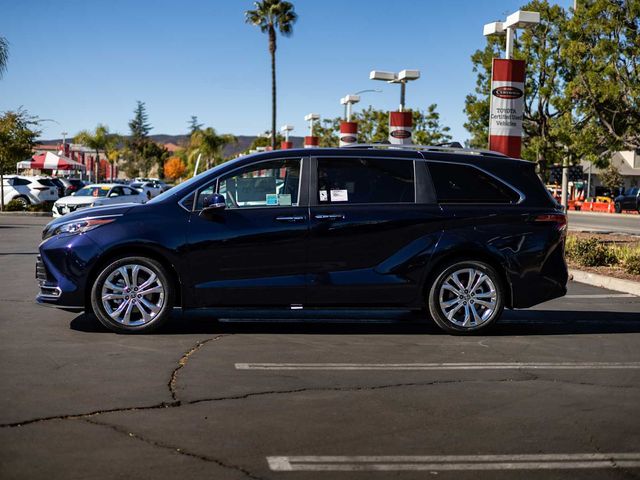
29	190
97	195
150	188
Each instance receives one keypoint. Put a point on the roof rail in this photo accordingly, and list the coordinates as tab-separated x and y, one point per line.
428	148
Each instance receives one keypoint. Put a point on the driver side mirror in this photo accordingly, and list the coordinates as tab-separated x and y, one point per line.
214	201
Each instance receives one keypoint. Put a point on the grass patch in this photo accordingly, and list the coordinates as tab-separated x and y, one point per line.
596	252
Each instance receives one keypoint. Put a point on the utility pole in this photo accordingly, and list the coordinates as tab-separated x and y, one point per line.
565	180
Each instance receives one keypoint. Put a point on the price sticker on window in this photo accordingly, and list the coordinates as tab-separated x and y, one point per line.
339	196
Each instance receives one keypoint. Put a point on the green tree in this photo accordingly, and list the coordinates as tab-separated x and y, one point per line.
18	134
208	145
4	55
152	154
610	177
194	124
602	45
264	140
100	140
139	154
373	127
273	16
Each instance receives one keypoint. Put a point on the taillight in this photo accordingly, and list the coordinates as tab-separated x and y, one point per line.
559	219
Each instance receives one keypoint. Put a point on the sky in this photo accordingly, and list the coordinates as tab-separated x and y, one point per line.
77	63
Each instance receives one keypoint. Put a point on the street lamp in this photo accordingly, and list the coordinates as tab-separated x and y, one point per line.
401	77
519	19
400	122
311	141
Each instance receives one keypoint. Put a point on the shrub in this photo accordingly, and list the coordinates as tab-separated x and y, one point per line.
14	206
41	207
590	252
631	264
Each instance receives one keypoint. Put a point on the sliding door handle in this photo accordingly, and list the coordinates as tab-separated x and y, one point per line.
292	219
333	216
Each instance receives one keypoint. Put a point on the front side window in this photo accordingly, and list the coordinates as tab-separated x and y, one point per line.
274	183
455	183
365	180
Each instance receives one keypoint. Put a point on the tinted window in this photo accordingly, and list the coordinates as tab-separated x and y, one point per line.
265	184
365	180
46	182
465	184
20	181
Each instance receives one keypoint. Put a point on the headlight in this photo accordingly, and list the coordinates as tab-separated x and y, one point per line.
79	226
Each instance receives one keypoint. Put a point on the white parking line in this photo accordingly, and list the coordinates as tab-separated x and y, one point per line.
603	295
440	366
454	462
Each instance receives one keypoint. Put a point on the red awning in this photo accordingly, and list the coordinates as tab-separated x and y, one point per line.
50	161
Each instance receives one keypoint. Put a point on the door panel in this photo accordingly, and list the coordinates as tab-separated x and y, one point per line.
254	252
363	253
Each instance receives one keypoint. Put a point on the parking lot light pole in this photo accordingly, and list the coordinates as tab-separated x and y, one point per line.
311	140
507	86
286	144
400	122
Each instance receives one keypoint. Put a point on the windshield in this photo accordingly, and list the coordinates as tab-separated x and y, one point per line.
184	187
93	192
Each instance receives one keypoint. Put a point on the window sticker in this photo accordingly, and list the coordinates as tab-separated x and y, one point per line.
323	196
284	199
339	196
272	199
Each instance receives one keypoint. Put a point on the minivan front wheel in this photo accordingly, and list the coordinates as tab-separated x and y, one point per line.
466	297
132	295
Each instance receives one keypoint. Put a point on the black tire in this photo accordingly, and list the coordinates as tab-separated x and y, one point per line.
134	322
24	201
617	207
471	303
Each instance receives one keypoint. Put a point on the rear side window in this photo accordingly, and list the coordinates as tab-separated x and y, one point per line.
46	182
365	180
20	181
465	184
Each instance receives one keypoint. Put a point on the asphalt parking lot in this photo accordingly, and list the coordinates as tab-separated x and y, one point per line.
554	392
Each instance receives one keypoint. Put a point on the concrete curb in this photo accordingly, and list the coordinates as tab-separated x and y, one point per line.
27	214
611	283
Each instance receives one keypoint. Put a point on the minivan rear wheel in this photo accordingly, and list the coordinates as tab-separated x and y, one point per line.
466	297
132	295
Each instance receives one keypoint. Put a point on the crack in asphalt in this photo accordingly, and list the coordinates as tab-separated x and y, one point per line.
173	448
173	380
354	388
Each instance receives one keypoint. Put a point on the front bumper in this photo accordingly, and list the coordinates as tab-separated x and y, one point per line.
62	270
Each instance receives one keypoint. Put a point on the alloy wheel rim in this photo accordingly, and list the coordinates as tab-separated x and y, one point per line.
468	298
133	295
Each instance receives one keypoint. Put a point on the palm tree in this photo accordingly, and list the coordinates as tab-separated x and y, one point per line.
4	55
98	140
272	16
209	144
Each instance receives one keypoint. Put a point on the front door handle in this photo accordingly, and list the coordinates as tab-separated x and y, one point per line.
292	219
333	216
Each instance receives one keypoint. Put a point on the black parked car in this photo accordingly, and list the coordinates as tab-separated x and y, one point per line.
461	234
629	200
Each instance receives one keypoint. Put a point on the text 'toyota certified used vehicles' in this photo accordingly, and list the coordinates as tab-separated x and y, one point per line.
460	234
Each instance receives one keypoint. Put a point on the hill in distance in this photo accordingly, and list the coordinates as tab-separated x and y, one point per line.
244	141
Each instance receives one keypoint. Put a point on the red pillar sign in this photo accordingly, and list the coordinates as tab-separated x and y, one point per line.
286	145
348	133
507	106
310	141
400	126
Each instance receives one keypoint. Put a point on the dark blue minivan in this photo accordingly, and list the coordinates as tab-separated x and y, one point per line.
459	234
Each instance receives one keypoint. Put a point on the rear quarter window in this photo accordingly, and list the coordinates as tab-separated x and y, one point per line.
458	183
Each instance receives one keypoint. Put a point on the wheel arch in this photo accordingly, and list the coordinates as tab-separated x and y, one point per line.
122	251
462	254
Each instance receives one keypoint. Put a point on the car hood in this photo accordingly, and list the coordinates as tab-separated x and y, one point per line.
119	209
73	200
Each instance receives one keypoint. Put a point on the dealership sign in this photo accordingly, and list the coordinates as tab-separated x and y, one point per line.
507	106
